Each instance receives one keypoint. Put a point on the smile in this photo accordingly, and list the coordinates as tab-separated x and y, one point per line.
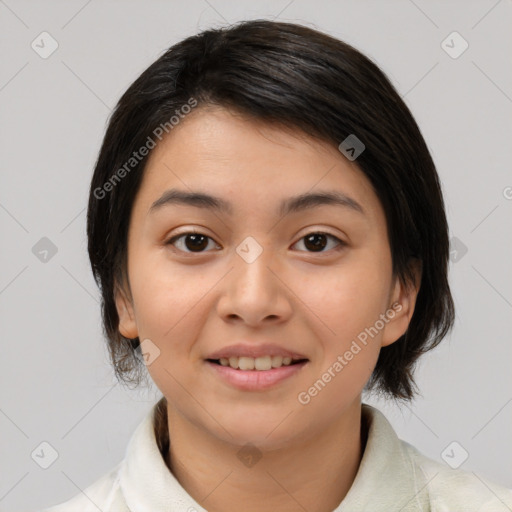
263	363
254	379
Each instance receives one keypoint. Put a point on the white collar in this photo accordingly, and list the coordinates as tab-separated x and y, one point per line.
386	476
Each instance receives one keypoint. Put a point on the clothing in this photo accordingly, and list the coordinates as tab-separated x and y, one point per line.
392	476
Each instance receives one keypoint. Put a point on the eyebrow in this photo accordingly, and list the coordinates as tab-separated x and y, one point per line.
290	205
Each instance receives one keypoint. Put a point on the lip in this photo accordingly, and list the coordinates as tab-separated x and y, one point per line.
255	380
244	350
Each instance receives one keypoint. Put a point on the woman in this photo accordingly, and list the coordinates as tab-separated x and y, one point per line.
268	231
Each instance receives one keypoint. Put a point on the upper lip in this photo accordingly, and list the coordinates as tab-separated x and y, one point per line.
244	350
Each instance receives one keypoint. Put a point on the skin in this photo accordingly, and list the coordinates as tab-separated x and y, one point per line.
191	303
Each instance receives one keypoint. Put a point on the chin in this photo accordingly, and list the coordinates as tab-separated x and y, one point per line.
267	432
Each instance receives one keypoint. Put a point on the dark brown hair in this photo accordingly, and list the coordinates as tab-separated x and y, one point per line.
292	76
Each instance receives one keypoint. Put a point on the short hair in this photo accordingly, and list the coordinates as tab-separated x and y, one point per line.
287	75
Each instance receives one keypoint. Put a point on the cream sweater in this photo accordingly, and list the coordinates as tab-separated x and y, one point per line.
392	476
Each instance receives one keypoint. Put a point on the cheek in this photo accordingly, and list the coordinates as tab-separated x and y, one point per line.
168	301
347	298
171	305
348	302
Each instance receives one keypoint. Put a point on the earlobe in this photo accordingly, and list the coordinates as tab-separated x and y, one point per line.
401	307
127	324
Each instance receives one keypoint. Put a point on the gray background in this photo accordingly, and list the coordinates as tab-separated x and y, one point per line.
56	382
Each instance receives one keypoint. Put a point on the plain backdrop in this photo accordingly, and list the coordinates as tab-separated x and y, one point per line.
57	386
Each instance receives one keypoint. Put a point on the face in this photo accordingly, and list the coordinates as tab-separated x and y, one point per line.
312	279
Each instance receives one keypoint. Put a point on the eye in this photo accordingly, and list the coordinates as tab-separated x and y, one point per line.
317	241
193	241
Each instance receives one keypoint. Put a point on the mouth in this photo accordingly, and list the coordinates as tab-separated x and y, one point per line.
255	374
257	364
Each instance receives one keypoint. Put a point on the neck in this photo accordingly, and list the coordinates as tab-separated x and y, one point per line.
312	474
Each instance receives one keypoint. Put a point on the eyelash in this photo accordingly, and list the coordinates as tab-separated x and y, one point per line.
341	243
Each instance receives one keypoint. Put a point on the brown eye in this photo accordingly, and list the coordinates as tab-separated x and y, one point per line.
192	242
317	241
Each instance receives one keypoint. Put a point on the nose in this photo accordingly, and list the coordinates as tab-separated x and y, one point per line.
255	291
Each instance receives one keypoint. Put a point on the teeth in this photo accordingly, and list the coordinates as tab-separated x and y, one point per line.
277	361
258	363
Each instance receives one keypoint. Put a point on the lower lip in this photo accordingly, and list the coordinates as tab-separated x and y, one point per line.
254	380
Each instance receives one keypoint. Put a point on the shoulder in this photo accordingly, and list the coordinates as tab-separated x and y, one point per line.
108	493
399	471
449	488
104	494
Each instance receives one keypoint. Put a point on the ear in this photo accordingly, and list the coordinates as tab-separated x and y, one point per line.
402	302
125	311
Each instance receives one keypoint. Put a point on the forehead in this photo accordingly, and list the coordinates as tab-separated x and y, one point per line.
248	163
